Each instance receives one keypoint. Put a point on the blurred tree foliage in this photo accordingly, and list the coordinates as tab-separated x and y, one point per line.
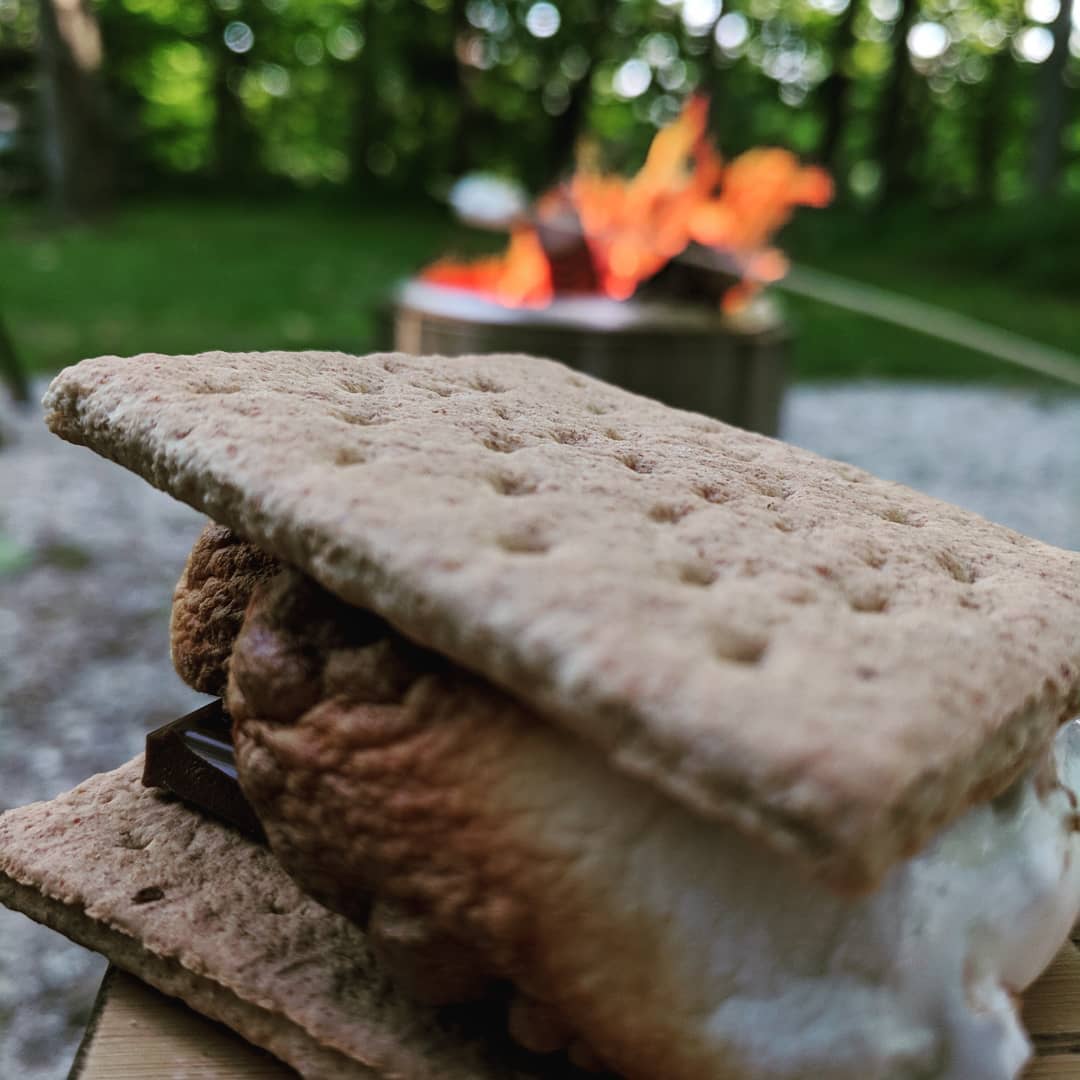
953	100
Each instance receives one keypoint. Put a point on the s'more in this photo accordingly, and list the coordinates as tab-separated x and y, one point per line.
681	753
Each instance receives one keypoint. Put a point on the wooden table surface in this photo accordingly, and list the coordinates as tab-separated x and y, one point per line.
1052	1017
138	1034
135	1033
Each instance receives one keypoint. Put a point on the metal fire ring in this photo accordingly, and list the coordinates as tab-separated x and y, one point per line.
691	356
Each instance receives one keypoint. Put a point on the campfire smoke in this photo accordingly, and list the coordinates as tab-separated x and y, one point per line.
686	223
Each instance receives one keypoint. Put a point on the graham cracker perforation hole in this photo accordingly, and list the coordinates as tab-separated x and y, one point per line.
570	436
957	568
871	602
509	484
635	462
348	455
738	646
502	442
149	895
362	419
697	572
133	841
669	513
525	541
487	385
713	493
210	388
611	433
899	516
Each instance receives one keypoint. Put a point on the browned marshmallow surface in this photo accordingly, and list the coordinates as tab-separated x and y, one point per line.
208	606
453	803
496	846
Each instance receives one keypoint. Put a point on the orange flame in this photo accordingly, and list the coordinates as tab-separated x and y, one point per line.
635	227
520	277
761	189
683	194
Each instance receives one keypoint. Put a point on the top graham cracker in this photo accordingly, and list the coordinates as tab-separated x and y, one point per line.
831	662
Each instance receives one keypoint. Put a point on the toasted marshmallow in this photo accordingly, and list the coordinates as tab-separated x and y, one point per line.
675	947
917	980
667	944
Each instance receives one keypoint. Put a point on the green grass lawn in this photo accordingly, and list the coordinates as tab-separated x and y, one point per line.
1017	269
183	277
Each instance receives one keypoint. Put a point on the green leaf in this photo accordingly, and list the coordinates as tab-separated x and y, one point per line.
13	557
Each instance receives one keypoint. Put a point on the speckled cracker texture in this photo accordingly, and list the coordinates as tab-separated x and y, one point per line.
833	663
203	914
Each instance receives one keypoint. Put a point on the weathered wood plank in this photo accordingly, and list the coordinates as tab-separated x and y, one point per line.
139	1034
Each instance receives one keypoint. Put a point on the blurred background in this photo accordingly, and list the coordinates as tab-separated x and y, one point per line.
266	165
180	175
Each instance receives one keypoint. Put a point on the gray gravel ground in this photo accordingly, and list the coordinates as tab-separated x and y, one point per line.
84	673
84	669
1011	455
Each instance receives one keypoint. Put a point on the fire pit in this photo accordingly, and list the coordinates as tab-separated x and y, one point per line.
652	282
693	356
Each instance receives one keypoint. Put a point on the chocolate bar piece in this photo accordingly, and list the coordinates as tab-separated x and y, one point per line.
193	758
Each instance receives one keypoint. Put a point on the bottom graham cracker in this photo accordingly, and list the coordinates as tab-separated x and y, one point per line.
72	862
136	1032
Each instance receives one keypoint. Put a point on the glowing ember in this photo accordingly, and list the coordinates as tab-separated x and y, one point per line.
630	229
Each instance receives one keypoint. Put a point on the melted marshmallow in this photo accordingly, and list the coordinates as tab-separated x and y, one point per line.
915	981
775	977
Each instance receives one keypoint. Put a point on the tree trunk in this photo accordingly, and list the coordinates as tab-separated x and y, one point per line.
836	89
896	127
567	129
76	139
11	370
992	124
235	155
363	121
470	117
1050	113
